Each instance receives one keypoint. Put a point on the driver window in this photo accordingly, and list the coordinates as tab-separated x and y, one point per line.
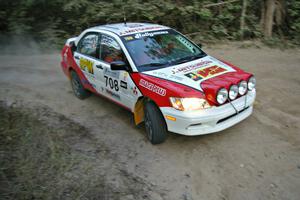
88	45
110	50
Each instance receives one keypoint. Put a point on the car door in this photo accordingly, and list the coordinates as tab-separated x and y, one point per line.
116	84
87	57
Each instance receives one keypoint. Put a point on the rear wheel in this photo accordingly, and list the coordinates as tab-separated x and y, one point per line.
155	124
77	86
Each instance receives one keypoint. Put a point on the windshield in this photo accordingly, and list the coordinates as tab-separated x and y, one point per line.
158	49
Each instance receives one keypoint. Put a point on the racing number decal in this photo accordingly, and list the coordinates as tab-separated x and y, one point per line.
113	83
115	86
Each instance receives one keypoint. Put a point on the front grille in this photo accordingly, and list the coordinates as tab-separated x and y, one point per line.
226	118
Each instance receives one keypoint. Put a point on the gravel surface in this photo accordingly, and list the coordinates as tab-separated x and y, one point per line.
256	159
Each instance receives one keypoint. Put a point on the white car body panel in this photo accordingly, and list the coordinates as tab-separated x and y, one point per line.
206	121
126	97
178	73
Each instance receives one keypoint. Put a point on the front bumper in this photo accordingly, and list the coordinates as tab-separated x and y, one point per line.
209	120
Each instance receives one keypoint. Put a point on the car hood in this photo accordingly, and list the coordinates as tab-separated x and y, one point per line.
193	73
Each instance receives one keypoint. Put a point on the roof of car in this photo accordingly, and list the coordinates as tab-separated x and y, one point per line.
122	29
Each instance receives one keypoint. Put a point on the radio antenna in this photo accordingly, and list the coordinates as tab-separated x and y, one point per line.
124	15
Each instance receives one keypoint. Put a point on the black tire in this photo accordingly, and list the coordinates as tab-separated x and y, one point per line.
77	87
155	124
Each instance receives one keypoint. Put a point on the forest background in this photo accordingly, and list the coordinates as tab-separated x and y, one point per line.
51	22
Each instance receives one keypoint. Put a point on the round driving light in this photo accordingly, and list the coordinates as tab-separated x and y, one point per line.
251	83
222	96
233	92
242	87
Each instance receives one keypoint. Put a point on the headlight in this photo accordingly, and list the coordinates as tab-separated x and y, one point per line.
251	83
242	87
186	104
222	96
233	92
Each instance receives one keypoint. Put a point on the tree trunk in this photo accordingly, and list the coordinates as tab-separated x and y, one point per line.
243	15
262	15
269	18
280	16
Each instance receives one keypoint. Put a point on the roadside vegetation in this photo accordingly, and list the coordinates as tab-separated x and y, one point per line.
272	21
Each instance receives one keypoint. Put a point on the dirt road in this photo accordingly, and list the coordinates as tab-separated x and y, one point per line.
256	159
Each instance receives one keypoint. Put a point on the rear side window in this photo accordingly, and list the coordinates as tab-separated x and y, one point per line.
110	50
88	45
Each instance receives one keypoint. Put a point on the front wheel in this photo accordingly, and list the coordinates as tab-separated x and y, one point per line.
155	124
77	86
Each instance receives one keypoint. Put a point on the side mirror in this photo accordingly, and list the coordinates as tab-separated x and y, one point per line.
199	45
119	65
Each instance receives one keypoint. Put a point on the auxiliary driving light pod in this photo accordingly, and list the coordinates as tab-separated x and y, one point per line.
233	92
251	83
222	96
242	87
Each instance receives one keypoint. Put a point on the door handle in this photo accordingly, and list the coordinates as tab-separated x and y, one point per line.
99	66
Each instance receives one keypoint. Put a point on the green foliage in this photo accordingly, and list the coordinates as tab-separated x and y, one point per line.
293	13
56	20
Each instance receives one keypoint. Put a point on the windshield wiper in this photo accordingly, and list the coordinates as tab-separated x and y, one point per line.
153	64
188	58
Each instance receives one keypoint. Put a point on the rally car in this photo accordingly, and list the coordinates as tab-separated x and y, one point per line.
159	75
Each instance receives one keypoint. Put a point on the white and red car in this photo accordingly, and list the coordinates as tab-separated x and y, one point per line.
163	78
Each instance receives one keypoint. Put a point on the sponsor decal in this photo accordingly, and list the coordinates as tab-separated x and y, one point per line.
149	34
113	94
191	67
135	30
134	25
86	65
160	74
123	84
178	78
152	87
125	75
205	73
128	38
135	92
167	76
110	73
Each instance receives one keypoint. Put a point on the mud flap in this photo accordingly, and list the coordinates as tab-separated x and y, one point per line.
139	112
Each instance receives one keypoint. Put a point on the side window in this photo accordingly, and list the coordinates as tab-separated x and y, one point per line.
88	45
110	50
